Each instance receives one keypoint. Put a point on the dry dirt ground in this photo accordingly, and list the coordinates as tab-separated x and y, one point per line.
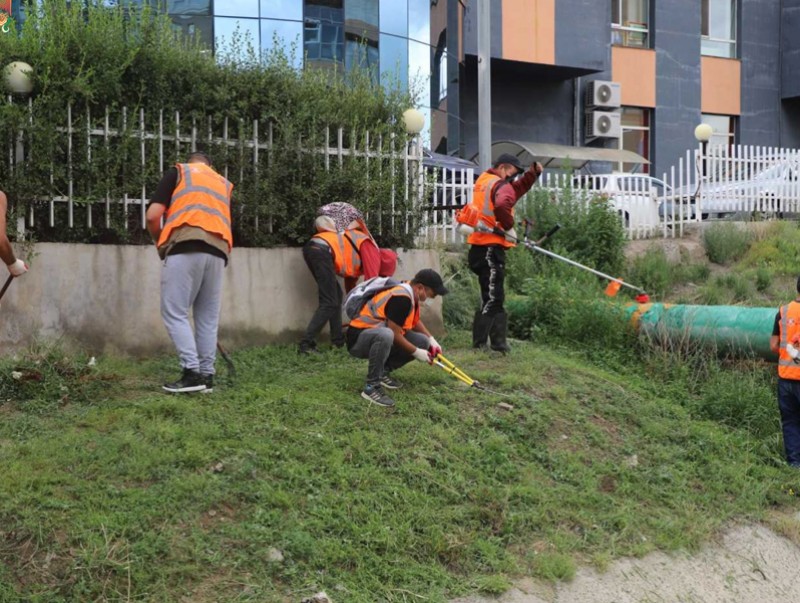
749	564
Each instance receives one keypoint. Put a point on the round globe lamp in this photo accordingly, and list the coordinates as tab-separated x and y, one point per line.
17	78
414	121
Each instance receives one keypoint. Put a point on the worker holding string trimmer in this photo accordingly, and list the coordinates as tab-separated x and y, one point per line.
496	192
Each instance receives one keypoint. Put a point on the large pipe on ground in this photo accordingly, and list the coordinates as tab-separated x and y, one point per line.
729	329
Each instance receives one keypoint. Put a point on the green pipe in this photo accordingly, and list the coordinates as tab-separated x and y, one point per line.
729	329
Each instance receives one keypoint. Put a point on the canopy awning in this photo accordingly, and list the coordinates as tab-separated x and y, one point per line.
562	156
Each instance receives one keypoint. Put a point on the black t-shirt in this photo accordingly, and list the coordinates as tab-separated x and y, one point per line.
397	310
163	196
776	328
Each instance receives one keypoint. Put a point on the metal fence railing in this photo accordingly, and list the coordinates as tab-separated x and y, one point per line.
708	183
79	190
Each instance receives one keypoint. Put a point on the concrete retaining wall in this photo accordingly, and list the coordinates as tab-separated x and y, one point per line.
106	298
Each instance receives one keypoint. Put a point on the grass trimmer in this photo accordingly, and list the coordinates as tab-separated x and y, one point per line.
452	369
614	284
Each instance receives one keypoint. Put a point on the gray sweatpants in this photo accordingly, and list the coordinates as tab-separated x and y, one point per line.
377	344
193	281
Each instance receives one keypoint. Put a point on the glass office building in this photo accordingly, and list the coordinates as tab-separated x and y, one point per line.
401	42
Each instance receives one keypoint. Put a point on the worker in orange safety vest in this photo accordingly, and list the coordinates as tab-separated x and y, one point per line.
195	244
785	342
496	192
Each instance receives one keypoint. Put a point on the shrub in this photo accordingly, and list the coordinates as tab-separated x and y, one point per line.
652	271
94	58
726	243
763	279
463	299
590	234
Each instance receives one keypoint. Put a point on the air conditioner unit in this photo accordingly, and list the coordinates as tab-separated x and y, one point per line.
603	124
603	94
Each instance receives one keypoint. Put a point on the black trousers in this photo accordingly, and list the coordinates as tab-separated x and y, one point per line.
489	263
320	262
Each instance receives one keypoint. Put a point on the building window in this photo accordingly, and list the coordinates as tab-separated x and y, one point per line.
291	10
323	33
189	7
394	62
630	23
724	127
442	74
284	36
234	38
718	28
361	35
237	8
635	136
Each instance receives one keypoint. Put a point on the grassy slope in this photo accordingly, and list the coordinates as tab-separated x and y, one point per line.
112	491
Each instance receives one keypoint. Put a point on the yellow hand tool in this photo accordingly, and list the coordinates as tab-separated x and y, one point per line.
452	369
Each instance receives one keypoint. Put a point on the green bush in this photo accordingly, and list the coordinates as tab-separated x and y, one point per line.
763	279
463	299
726	243
591	232
652	272
128	61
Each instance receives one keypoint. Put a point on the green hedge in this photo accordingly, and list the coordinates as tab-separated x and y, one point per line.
94	58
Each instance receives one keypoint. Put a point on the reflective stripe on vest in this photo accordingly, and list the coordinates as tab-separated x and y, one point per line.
790	333
373	314
202	198
346	247
484	205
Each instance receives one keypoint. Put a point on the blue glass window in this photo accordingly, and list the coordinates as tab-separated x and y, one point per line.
361	35
394	17
419	20
394	61
282	9
237	8
323	32
419	72
198	27
189	7
225	29
288	35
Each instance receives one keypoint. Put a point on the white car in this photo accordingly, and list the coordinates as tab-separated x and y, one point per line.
773	189
640	200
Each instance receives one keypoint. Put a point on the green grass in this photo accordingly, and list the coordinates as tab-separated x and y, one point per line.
112	491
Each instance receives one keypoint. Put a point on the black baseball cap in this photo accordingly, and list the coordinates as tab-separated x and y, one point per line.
511	160
430	278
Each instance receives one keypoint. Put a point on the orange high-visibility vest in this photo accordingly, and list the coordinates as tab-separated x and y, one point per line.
484	204
790	333
346	248
373	314
202	198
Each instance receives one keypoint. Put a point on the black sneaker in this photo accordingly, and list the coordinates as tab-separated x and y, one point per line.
389	383
209	380
190	381
306	349
374	393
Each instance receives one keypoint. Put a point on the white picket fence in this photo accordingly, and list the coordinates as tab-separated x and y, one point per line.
169	138
719	182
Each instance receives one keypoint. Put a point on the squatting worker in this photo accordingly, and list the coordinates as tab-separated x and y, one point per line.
389	332
16	267
496	192
785	342
195	245
350	253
